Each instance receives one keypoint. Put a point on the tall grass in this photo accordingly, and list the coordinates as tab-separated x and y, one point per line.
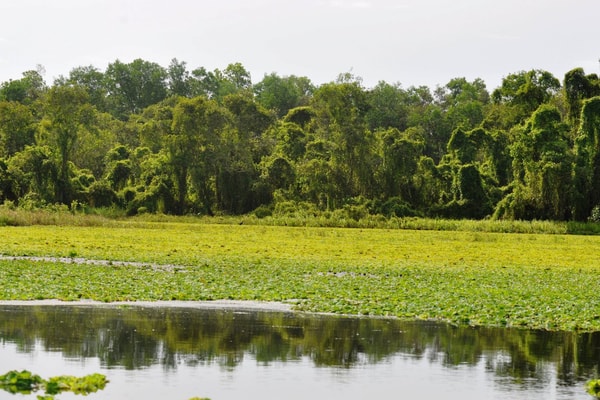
59	215
63	216
429	224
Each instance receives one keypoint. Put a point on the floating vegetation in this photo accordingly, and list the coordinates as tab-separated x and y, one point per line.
464	277
25	382
593	387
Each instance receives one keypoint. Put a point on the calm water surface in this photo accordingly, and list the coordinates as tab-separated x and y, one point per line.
179	353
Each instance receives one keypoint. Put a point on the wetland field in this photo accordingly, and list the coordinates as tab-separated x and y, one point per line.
465	277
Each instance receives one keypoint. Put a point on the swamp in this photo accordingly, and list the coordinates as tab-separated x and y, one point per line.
473	313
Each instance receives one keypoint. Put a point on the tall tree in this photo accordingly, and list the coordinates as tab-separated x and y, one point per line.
428	115
400	155
388	107
464	102
25	90
245	146
134	86
281	94
542	168
578	86
195	151
340	110
526	91
90	78
17	127
179	79
67	113
34	173
587	153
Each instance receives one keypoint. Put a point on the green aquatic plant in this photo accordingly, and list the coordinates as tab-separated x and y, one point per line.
593	387
20	382
25	382
477	278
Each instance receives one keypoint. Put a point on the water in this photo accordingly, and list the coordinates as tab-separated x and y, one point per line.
179	353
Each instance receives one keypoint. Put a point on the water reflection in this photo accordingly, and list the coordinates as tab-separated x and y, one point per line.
135	338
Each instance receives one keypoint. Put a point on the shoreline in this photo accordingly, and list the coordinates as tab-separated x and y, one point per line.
244	305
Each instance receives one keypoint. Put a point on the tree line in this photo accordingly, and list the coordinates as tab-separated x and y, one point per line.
144	138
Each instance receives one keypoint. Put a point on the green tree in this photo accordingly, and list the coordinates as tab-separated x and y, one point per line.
473	200
340	110
400	154
317	181
34	172
218	84
542	168
526	91
427	184
134	86
195	150
587	156
25	90
67	114
281	94
252	120
179	79
153	125
578	87
94	82
290	139
429	116
96	138
302	116
464	102
238	77
118	171
388	107
17	127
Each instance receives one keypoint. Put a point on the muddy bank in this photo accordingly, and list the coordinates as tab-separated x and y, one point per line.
214	304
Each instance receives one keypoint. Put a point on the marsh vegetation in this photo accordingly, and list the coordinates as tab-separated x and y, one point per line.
464	277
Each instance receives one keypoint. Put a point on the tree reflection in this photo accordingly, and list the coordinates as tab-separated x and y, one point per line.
136	337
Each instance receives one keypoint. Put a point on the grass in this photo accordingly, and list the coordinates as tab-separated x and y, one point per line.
464	277
62	216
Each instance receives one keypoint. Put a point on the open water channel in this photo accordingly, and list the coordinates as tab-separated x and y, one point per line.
178	353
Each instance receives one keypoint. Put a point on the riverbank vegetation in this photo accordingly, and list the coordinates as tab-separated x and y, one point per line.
63	216
141	138
458	186
464	277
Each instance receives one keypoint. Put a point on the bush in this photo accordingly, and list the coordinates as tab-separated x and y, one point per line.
263	212
295	208
396	207
100	194
127	195
356	212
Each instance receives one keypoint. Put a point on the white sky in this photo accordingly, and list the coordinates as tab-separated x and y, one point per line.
412	42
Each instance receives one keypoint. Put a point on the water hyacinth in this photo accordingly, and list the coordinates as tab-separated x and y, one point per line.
463	277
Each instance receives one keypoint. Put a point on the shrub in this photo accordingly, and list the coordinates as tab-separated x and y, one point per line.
263	212
100	194
396	207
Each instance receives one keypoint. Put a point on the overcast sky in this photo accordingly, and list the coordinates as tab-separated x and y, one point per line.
412	42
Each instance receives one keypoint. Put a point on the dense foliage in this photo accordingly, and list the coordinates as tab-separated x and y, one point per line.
144	138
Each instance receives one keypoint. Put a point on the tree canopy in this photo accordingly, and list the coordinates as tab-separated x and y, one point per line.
142	137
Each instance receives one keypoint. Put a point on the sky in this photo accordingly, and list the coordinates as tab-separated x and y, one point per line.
410	42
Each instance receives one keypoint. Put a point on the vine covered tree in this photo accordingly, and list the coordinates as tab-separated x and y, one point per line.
144	138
